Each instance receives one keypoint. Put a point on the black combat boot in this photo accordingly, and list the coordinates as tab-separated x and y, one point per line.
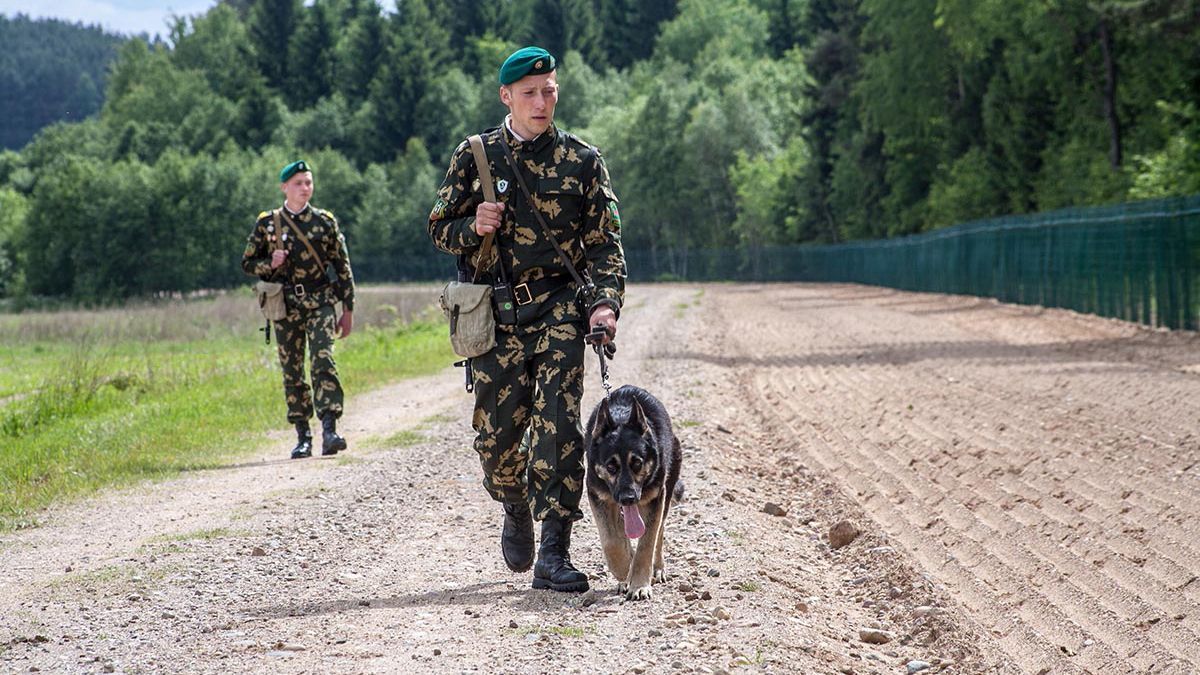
516	540
554	569
330	441
303	441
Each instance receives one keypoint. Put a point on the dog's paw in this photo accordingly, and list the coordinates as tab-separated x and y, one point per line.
640	593
622	587
660	576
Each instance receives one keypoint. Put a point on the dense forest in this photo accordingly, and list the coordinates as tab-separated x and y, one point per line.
49	71
728	124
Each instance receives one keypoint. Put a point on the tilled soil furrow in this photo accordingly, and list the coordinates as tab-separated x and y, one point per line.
1022	404
1137	486
1122	597
1031	646
1050	501
857	462
1019	440
1010	556
1004	487
1166	540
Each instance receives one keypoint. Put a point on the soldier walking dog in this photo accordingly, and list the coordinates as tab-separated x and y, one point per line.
550	185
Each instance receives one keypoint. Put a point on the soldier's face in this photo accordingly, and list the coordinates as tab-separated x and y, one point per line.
298	189
530	101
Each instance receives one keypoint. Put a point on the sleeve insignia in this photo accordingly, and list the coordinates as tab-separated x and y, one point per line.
614	214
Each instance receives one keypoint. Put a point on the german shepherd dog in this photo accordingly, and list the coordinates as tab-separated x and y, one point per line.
633	460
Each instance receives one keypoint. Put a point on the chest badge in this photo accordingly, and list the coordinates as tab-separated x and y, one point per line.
502	186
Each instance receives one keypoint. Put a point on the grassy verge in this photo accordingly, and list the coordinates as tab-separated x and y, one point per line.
102	413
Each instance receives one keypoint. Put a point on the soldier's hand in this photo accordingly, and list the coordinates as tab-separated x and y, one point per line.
345	324
487	217
277	257
605	316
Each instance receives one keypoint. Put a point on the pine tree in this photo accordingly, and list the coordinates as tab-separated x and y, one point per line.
416	51
272	24
312	53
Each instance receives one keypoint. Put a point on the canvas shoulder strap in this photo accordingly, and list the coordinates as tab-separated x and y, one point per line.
277	240
275	243
489	194
303	239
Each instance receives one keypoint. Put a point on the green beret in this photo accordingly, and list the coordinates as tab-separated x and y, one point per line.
293	169
526	61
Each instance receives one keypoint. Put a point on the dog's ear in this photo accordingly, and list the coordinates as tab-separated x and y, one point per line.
637	418
603	420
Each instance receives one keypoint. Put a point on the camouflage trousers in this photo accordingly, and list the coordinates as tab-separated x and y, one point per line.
528	391
314	326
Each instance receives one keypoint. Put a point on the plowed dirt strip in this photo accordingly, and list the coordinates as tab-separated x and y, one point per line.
1040	464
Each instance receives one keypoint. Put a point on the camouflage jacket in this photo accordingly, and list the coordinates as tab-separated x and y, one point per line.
326	238
570	185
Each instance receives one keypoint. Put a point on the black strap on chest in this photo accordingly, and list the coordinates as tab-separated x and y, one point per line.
587	287
512	164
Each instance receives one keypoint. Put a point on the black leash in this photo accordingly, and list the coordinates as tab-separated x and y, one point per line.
604	351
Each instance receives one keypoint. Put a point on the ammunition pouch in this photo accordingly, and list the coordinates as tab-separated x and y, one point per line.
468	308
270	300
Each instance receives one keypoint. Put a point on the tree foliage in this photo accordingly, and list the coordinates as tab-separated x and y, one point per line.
50	70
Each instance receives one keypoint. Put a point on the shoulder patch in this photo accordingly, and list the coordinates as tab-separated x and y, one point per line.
263	214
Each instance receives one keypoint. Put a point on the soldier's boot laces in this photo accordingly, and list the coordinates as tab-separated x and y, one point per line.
554	569
303	441
331	443
516	540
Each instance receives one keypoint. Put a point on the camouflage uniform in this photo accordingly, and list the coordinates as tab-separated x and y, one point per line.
310	300
533	379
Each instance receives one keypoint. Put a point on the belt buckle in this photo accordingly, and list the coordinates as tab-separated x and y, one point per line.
522	294
298	289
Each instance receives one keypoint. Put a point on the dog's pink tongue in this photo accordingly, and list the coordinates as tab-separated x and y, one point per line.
634	527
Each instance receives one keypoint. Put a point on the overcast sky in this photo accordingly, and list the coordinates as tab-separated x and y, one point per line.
118	16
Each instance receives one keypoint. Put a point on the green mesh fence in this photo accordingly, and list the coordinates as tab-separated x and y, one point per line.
1135	261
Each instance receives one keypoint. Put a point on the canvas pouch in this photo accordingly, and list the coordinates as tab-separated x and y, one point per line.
468	308
270	300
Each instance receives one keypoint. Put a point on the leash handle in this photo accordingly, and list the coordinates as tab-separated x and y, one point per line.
604	351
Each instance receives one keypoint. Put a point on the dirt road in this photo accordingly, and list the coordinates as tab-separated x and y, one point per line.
1025	482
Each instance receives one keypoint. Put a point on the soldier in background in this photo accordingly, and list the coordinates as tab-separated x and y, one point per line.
302	247
532	381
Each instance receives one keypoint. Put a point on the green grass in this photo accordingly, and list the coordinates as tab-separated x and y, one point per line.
82	410
747	586
401	439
